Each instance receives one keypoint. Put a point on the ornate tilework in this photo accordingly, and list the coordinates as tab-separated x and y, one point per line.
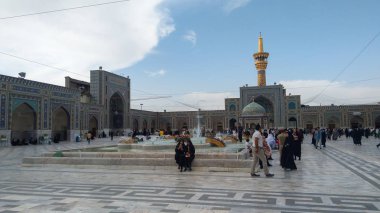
18	101
63	95
45	113
2	111
25	89
77	117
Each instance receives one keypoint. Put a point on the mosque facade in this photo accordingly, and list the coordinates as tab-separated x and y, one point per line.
31	109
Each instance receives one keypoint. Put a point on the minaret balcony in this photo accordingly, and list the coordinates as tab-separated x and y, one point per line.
261	55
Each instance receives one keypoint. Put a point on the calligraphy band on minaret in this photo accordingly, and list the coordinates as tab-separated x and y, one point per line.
261	63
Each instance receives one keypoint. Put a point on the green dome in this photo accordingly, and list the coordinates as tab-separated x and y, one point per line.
253	109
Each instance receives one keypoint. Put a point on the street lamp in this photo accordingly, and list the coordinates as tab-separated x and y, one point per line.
141	106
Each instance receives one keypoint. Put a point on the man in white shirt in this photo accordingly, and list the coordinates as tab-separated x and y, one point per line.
258	153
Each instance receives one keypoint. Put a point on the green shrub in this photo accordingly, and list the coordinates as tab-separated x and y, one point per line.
58	154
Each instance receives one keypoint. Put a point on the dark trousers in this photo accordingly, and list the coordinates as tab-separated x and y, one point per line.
261	163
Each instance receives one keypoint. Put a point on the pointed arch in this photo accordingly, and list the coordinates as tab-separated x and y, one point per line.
292	122
219	126
232	123
168	126
24	122
232	107
60	123
292	105
356	121
135	125
93	125
377	122
152	126
265	102
116	111
144	124
333	122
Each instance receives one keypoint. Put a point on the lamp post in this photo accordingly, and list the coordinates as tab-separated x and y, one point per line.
141	106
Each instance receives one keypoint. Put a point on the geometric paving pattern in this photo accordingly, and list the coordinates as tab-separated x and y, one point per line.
341	178
368	171
111	198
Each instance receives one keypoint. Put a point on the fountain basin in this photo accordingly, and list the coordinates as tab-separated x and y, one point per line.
164	160
148	146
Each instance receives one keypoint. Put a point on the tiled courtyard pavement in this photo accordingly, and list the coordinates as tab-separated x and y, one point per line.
340	178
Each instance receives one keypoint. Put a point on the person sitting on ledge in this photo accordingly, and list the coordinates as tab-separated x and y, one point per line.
180	154
190	153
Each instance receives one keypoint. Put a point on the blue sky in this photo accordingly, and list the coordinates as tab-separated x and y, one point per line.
200	51
310	43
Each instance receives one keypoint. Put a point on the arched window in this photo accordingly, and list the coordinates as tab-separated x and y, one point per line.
292	105
232	107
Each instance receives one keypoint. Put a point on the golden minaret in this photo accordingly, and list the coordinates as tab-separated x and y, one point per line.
261	63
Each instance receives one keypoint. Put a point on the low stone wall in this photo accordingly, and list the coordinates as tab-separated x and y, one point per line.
147	146
202	162
155	155
227	163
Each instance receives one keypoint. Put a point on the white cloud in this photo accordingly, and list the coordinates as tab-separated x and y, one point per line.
191	36
187	102
231	5
160	72
338	93
114	36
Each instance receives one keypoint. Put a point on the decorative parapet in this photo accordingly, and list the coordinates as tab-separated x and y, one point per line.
24	85
348	107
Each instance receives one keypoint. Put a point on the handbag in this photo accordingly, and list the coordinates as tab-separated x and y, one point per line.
187	155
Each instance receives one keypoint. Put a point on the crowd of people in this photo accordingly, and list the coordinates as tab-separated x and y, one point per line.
287	141
259	144
321	135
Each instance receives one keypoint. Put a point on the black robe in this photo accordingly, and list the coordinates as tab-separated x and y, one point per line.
180	155
287	159
296	146
323	138
191	150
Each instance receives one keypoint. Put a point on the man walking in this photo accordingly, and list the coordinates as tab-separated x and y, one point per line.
258	153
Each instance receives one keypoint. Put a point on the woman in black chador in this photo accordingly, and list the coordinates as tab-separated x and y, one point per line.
287	160
180	154
296	145
190	153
